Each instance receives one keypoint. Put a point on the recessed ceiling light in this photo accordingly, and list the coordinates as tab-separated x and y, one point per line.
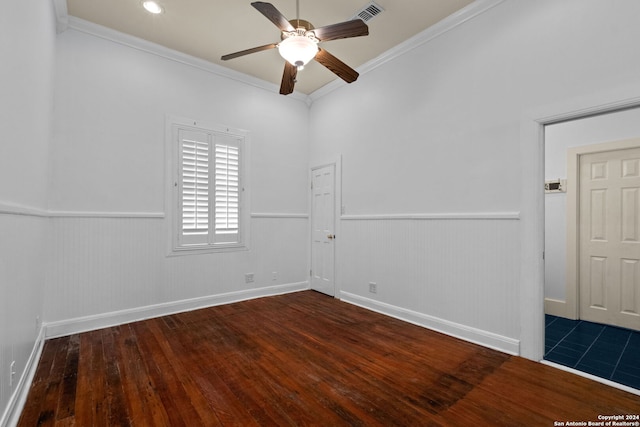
152	7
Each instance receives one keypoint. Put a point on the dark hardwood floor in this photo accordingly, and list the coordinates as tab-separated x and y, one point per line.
299	359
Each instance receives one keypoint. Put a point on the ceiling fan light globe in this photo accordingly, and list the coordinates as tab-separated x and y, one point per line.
298	50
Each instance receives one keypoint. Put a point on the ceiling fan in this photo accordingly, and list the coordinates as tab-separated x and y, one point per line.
299	44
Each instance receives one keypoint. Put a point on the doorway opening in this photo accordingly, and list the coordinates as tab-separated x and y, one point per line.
586	291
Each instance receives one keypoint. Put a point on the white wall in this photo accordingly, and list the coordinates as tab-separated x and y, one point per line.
436	132
558	138
108	184
27	34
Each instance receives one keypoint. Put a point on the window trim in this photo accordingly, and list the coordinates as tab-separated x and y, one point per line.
173	125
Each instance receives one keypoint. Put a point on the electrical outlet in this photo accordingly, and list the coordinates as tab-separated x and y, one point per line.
274	275
248	278
12	373
373	287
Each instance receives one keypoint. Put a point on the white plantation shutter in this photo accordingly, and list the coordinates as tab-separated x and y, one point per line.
209	189
194	186
227	190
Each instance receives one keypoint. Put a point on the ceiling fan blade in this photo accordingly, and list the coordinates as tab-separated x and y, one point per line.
248	51
338	67
273	15
342	30
288	78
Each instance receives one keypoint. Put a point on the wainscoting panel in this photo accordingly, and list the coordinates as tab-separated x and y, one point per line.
103	266
460	271
23	248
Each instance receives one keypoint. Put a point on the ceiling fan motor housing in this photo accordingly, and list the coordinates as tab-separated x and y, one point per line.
301	24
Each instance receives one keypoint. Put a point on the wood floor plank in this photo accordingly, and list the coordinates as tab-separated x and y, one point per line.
379	364
300	359
317	371
98	393
237	371
47	411
145	406
117	408
84	413
301	376
66	402
40	382
559	389
178	406
201	356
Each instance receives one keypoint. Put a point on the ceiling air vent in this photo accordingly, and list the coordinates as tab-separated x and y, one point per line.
368	12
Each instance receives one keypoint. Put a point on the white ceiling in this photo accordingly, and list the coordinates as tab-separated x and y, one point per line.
208	29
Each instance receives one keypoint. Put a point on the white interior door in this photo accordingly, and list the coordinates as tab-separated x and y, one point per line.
323	229
609	251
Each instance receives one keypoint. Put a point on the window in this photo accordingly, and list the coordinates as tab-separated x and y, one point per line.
208	203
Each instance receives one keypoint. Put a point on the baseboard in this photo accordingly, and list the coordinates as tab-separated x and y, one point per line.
456	330
105	320
556	307
11	415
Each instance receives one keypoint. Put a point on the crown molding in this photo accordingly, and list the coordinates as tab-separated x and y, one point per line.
465	14
114	36
64	22
62	15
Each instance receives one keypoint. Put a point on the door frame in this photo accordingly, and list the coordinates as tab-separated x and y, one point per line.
572	287
337	194
532	125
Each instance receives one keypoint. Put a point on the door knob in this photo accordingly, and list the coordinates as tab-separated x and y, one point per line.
331	236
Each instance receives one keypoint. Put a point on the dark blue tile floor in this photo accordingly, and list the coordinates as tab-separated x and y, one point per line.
605	351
